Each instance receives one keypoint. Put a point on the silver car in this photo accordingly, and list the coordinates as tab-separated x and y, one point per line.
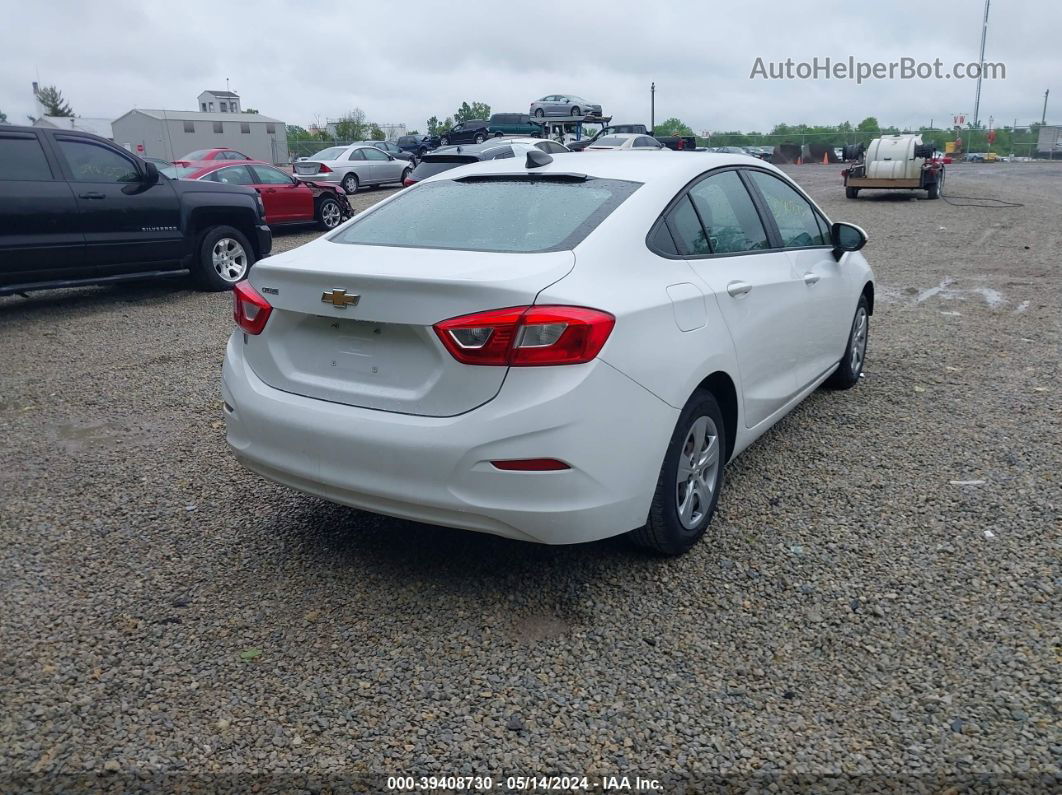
353	166
564	105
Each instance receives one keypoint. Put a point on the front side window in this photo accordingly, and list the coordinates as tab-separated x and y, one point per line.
22	158
90	162
507	214
797	223
372	153
728	214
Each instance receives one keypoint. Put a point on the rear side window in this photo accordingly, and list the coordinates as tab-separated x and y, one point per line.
727	212
687	229
90	162
22	158
797	222
610	140
491	214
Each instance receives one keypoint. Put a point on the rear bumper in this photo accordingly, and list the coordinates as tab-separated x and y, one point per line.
611	431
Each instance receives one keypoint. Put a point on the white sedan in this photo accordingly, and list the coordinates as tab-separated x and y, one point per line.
626	141
353	167
549	349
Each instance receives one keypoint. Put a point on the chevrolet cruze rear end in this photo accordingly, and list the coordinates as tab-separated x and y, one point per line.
495	349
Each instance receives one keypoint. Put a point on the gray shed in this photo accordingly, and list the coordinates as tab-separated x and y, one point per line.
170	134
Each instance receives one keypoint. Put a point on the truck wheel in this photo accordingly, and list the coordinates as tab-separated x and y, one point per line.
851	193
225	257
933	190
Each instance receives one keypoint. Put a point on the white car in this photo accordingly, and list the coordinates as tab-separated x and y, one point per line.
554	349
353	166
625	141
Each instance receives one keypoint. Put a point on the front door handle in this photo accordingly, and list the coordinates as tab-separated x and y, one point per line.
92	195
738	289
811	278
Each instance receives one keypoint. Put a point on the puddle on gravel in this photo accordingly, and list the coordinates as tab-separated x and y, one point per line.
84	434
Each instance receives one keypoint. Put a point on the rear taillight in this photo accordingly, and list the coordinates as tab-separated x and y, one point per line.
249	309
408	181
323	169
527	336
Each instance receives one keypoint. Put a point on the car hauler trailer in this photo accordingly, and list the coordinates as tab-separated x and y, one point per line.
900	162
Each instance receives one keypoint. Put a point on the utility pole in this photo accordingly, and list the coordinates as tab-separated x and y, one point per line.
981	65
652	107
1043	116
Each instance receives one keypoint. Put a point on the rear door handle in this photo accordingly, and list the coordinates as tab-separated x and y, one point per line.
92	195
811	278
738	289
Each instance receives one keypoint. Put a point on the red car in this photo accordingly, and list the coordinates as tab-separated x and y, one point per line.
220	153
287	200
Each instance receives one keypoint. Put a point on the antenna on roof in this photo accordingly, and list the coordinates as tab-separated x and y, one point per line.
537	158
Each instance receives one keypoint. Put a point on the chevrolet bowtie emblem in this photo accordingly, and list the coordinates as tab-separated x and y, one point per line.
339	298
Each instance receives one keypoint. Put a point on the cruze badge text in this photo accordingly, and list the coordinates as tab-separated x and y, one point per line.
339	298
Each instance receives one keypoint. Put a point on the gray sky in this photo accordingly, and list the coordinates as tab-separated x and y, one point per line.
300	60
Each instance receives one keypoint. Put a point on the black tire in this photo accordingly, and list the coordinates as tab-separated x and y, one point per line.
444	141
229	270
498	134
539	113
350	183
575	111
329	214
847	373
666	531
421	152
851	193
933	188
480	138
405	173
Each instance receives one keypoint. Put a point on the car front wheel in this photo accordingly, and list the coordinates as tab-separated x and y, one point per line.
329	215
539	112
444	141
848	371
575	111
225	257
690	480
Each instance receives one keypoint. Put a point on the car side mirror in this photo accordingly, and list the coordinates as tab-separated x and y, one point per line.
846	237
151	173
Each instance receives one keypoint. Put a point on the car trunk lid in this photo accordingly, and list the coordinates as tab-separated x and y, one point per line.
379	350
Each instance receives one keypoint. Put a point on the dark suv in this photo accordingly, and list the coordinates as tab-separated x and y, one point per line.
473	131
75	209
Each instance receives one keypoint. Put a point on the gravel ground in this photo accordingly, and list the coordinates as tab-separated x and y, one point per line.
878	595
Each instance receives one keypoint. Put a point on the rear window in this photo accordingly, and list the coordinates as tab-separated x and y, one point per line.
508	214
198	154
21	157
329	154
610	140
429	168
178	172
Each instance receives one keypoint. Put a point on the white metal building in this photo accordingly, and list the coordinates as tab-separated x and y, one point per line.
169	134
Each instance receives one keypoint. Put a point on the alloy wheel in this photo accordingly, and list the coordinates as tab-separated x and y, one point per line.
330	214
229	259
859	340
698	467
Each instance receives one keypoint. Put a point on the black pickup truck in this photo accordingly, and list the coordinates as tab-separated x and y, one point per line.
75	209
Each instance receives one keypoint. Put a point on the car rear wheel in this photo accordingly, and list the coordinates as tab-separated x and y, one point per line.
405	175
851	193
480	138
690	479
539	112
329	214
444	141
848	371
350	183
225	257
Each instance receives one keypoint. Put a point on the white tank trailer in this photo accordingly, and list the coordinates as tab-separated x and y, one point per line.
899	162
